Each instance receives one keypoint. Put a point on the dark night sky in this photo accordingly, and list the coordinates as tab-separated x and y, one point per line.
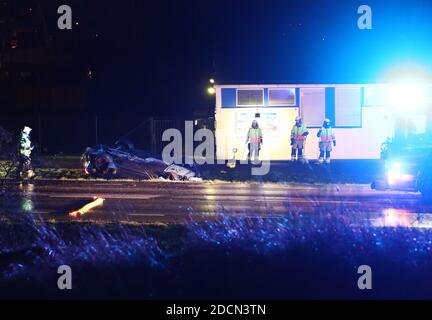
157	56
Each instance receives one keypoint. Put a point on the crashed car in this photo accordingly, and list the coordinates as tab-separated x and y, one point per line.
117	161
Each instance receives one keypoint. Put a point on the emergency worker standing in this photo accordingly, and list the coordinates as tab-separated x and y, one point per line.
327	142
254	140
299	132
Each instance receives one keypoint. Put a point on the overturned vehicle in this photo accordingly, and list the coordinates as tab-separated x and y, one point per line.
124	161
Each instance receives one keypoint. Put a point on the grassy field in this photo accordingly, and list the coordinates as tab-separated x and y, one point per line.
292	257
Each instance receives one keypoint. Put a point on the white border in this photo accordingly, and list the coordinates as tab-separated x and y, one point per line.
293	85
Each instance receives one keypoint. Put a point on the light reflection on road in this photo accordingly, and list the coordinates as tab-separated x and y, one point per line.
356	205
392	218
26	203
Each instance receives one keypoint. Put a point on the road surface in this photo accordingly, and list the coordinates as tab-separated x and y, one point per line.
177	202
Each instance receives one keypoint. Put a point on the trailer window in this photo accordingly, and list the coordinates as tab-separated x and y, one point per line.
312	101
378	96
282	97
249	97
348	107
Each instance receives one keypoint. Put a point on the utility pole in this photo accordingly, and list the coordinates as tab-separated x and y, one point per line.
96	130
152	134
40	133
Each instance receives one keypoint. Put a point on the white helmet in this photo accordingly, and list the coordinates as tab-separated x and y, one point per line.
27	130
298	119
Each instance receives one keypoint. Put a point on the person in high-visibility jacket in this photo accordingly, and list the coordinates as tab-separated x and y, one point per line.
25	169
254	140
327	141
299	132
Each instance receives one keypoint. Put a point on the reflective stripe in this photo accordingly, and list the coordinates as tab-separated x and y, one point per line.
298	137
255	140
327	135
326	139
26	153
255	135
297	132
25	143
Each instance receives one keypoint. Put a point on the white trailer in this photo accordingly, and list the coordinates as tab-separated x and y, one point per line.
362	116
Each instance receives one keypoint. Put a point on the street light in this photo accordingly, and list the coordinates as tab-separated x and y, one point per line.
212	90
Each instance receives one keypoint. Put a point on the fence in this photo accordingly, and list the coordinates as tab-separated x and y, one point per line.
71	134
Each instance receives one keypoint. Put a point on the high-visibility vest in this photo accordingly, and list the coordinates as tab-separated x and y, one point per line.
255	135
327	135
297	132
25	145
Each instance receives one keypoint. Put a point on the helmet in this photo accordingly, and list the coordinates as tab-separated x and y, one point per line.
327	121
27	130
298	119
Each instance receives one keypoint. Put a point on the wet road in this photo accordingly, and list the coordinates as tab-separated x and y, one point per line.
169	202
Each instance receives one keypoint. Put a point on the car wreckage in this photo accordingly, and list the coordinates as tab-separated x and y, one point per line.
120	161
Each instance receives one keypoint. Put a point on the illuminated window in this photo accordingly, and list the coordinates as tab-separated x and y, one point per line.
348	107
282	97
312	106
250	97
